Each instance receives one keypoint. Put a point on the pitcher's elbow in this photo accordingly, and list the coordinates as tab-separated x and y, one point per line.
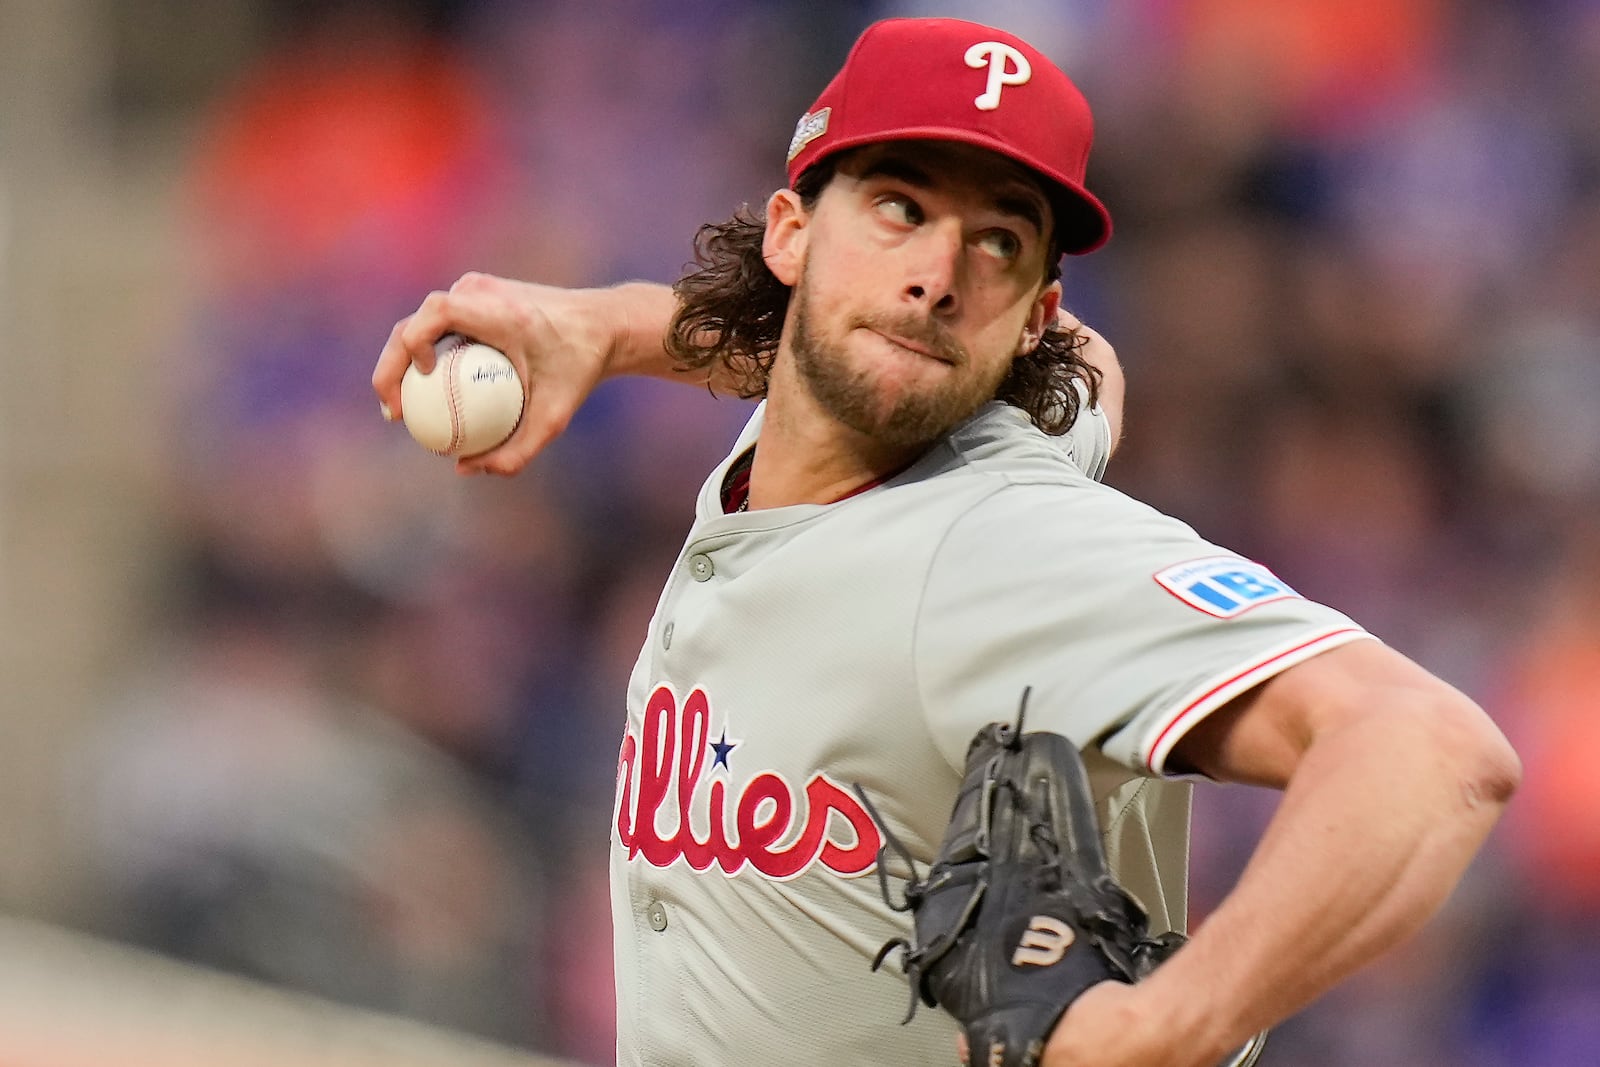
1490	768
1499	771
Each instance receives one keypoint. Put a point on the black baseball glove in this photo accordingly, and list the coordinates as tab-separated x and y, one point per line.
1019	914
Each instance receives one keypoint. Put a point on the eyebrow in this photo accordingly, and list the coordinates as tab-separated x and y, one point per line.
899	170
1023	207
1016	203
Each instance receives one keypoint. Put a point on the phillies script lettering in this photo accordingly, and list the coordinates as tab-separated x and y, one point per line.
775	833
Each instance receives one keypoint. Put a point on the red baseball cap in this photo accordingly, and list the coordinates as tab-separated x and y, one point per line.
951	80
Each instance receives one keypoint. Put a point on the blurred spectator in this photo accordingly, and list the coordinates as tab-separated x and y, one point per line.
1551	696
245	816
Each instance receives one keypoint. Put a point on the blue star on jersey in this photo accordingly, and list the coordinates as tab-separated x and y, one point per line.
722	746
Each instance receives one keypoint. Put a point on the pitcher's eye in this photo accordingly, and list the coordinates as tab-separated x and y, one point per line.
1002	244
899	209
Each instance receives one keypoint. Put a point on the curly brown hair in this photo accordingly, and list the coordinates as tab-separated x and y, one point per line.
731	310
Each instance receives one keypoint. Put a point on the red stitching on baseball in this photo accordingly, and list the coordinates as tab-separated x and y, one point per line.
453	394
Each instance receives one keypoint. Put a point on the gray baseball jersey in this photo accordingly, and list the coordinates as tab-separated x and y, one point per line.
796	651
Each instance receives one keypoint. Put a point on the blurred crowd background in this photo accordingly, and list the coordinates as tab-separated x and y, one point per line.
289	698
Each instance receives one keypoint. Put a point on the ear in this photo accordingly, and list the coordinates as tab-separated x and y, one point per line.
1046	306
784	246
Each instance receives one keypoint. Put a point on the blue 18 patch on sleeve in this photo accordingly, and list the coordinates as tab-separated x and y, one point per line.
1223	585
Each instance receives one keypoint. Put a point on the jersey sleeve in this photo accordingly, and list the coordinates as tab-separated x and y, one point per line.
1088	440
1127	627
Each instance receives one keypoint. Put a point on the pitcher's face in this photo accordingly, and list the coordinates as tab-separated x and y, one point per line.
919	275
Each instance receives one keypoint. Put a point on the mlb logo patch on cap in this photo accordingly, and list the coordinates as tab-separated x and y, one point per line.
812	124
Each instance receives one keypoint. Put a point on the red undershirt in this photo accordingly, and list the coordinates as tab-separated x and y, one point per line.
736	485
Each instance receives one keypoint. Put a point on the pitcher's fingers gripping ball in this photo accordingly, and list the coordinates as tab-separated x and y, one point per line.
469	404
1019	914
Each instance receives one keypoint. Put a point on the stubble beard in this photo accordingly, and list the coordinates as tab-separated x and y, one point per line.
916	417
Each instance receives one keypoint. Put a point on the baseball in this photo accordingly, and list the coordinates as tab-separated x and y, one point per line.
470	403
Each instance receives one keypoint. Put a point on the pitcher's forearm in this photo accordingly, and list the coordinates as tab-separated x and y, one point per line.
637	314
642	312
1368	843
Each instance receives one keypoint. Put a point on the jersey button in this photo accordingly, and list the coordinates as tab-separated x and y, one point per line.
700	567
666	636
656	915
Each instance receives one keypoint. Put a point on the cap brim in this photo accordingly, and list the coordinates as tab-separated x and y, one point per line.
1082	221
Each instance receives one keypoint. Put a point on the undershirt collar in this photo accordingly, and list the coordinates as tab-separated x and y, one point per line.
736	484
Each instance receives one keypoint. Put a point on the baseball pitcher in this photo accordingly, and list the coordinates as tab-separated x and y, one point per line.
833	803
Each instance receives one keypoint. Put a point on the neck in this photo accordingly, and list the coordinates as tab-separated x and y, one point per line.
805	456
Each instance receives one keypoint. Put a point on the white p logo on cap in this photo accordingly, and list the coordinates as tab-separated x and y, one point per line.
997	57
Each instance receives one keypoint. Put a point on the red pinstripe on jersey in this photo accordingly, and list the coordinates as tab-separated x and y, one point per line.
1240	681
